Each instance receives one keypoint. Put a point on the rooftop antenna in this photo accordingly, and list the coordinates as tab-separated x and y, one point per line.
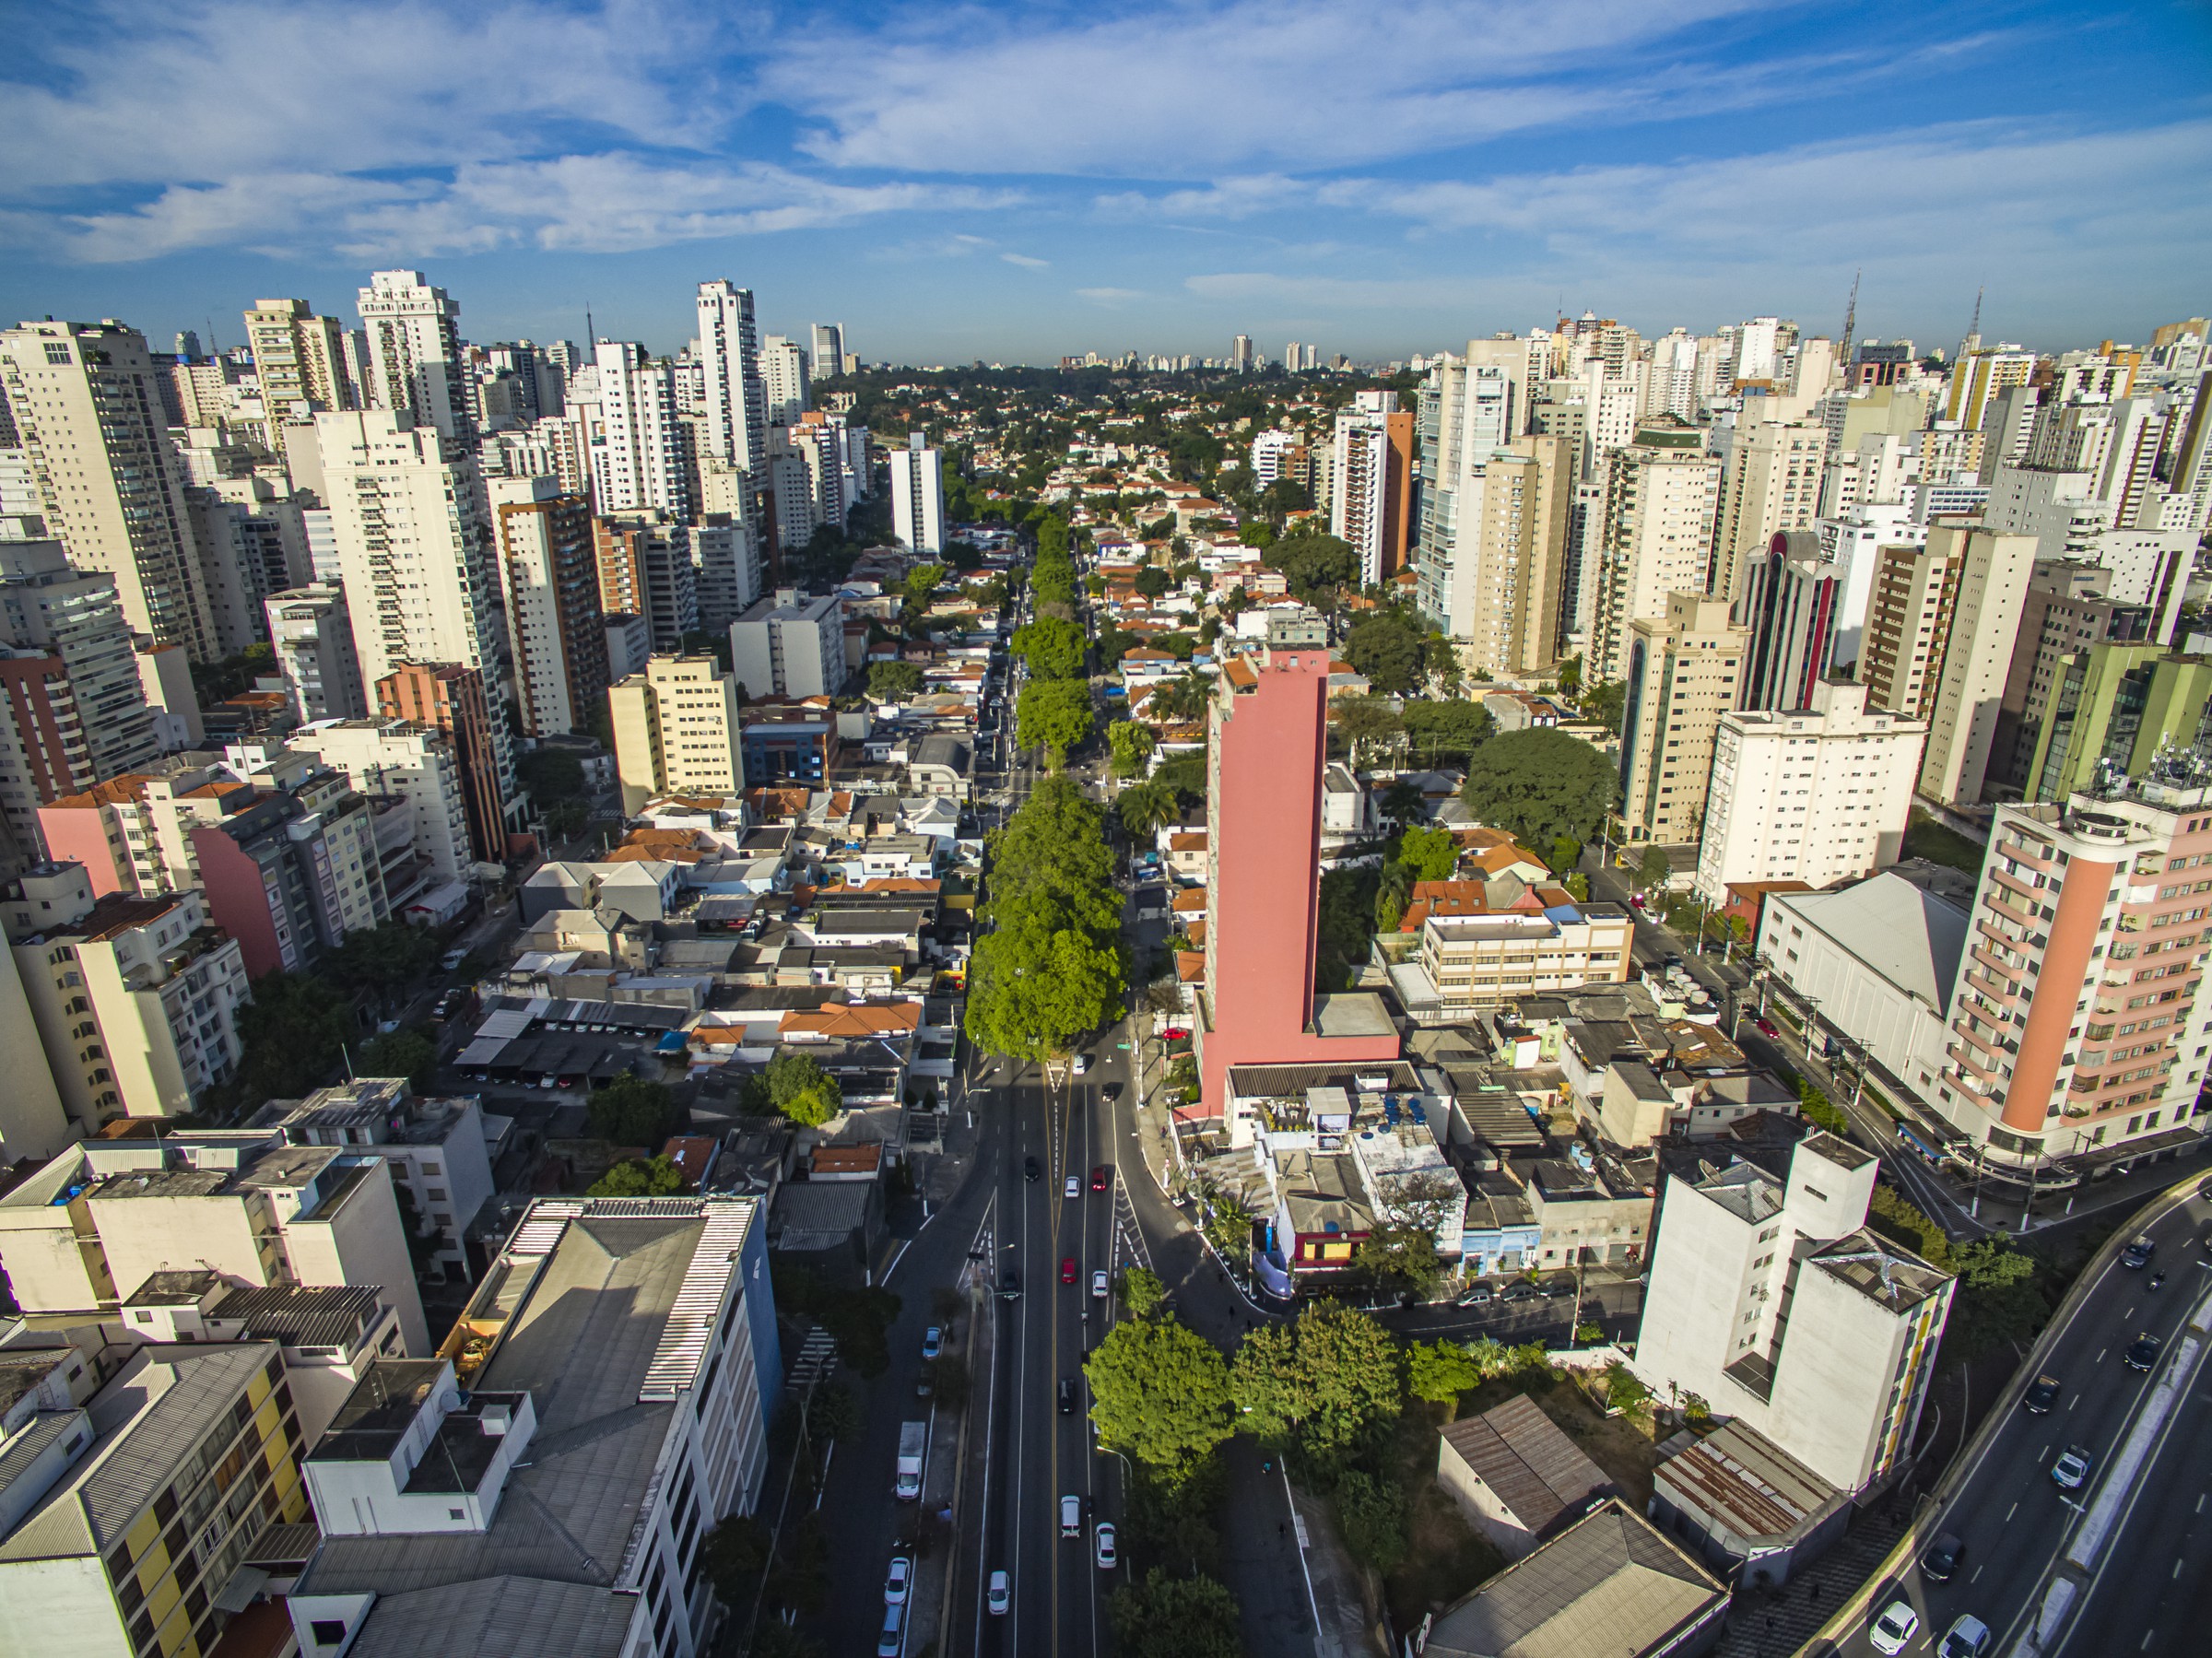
590	340
1851	319
1974	329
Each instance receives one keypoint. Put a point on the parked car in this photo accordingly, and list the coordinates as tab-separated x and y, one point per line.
1520	1289
1103	1545
1940	1560
2072	1467
1174	1033
1477	1295
999	1594
894	1627
1766	1027
899	1579
1559	1289
1892	1631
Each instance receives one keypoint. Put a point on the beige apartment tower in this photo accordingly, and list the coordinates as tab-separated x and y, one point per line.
676	731
1683	672
1991	590
1773	483
298	357
1907	617
1653	537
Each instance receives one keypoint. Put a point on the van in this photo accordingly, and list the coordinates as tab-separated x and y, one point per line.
1071	1516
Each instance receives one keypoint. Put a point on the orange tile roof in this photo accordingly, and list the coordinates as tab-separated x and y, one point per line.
1187	842
1192	898
899	883
1240	672
847	1159
854	1020
627	854
1198	932
115	791
689	1153
1190	967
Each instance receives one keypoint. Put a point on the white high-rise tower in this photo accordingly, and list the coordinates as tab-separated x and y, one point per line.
415	361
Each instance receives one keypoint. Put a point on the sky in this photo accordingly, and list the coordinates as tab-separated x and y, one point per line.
1018	182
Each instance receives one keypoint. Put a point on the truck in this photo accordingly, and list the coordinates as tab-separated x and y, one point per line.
912	1437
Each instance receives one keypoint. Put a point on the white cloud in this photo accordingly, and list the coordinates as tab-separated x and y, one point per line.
1027	261
1109	296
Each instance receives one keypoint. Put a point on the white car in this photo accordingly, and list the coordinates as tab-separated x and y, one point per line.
999	1596
1893	1630
899	1581
1082	1063
1967	1637
1075	1186
1097	1285
1071	1516
1102	1545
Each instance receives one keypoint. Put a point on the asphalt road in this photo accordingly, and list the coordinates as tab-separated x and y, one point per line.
2145	1589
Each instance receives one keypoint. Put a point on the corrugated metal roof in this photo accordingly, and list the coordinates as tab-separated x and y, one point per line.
1534	1469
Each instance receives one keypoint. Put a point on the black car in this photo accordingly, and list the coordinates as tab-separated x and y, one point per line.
2041	1394
1010	1284
1520	1289
1029	1170
2140	1250
1940	1560
2142	1352
1559	1289
1068	1396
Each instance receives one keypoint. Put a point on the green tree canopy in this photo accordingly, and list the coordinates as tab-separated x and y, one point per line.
1146	808
1652	869
631	1111
383	960
1540	783
1385	646
1159	1392
1445	730
1166	1616
1152	580
291	1031
801	1089
1315	565
894	681
1429	854
1367	722
407	1054
1052	647
1604	703
1326	1382
1439	1371
1131	745
1053	715
640	1177
1141	1290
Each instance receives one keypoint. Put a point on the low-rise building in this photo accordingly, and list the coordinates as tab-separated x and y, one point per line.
1516	1475
1528	940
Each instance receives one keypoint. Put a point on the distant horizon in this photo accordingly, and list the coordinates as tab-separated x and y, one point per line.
1020	185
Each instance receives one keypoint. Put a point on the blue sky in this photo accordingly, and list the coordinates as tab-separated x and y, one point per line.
1016	181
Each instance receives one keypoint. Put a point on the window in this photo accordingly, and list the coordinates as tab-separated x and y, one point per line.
327	1631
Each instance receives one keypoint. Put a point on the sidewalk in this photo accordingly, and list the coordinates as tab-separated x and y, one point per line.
954	1455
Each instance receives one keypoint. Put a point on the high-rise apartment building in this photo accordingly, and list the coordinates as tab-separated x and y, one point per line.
1773	483
1789	602
1976	378
136	999
644	569
677	730
1494	577
2069	609
1771	1301
549	581
73	708
728	570
2080	1004
642	455
1267	725
32	1122
1239	354
2115	711
416	765
88	417
1684	671
1900	662
783	380
415	359
298	357
312	636
1989	594
735	426
1371	484
1818	791
1653	535
918	496
790	646
829	354
450	697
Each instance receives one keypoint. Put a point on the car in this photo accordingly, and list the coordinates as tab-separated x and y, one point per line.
1071	1516
452	959
2072	1467
564	1082
1073	1187
2204	1243
2041	1394
1174	1033
2139	1251
2142	1353
1559	1289
1067	1395
1082	1063
1940	1560
894	1630
932	1342
1098	1284
1032	1169
1766	1027
1102	1545
1967	1637
1101	1178
1520	1289
1672	958
1067	1269
1477	1295
899	1581
1893	1630
1110	1091
999	1596
1010	1284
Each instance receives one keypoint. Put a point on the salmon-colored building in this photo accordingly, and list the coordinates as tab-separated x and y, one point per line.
1269	737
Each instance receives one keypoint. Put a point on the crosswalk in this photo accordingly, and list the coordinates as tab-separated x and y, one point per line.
818	1358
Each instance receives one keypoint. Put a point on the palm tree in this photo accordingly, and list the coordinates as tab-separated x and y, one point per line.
1147	808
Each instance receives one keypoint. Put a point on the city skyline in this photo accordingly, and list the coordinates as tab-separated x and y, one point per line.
957	189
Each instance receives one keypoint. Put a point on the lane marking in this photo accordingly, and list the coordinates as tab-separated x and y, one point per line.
2010	1512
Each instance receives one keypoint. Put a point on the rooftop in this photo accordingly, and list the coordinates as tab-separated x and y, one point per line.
1910	936
1522	1454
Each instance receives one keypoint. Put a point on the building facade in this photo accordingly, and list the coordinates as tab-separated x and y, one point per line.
1684	669
311	634
677	730
549	581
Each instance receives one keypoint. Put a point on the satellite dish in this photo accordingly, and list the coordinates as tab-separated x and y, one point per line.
449	1400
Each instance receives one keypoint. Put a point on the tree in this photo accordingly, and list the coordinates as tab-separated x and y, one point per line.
1429	854
1159	1392
1540	783
291	1031
1345	926
1603	703
1165	1617
1448	730
383	959
1371	1512
1141	1290
1152	582
894	681
1439	1371
407	1054
1033	991
1399	1257
1653	869
1369	723
1146	808
1326	1382
1053	715
1131	745
735	1556
801	1089
1313	564
551	775
630	1112
1385	646
1402	803
1052	647
637	1177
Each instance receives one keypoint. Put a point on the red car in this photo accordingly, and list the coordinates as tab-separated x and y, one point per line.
1067	1270
1099	1178
1766	1026
1174	1033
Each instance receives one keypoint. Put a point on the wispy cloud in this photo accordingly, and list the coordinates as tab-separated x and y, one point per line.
1027	261
1109	296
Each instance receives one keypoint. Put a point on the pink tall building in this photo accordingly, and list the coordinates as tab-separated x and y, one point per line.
1268	730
